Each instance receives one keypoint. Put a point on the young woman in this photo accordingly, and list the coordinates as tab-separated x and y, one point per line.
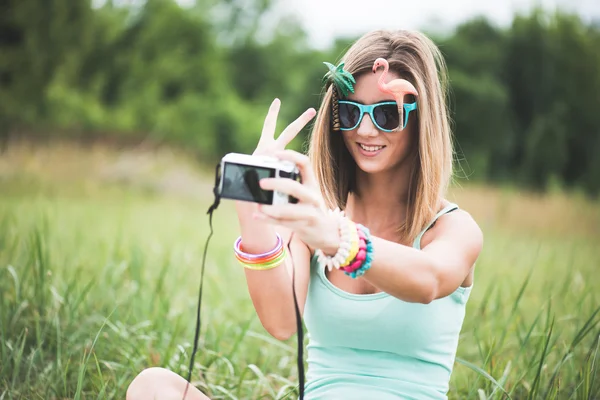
382	289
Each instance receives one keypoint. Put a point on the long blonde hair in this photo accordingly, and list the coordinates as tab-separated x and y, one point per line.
416	58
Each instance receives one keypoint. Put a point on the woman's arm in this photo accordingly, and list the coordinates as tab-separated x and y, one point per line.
421	276
448	254
270	290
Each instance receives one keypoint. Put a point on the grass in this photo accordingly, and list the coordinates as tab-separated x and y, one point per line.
99	266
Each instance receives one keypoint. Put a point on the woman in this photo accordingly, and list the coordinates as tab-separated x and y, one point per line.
384	324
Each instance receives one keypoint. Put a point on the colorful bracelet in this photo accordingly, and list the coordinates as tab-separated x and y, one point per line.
263	261
266	260
237	247
364	257
360	255
354	246
355	253
265	266
345	226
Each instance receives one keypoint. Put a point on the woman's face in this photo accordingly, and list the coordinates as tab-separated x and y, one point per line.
374	150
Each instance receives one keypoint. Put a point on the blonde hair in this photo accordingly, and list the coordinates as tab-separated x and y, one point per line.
416	58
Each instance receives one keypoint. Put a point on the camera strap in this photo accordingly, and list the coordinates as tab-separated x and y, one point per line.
299	328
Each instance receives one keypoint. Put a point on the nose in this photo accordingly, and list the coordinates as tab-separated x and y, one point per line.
367	128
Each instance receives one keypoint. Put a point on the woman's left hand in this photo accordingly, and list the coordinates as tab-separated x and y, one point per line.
308	218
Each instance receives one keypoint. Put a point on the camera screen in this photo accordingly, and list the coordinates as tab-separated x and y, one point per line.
240	182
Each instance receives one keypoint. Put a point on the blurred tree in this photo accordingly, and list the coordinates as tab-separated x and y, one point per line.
475	47
524	100
482	125
36	37
552	71
479	100
235	21
545	147
577	88
283	67
528	77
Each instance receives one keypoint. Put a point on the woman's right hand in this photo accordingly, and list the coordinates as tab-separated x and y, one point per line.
268	145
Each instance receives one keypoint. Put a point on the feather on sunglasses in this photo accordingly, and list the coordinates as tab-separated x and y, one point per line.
384	115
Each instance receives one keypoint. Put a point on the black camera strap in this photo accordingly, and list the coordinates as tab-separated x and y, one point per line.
299	328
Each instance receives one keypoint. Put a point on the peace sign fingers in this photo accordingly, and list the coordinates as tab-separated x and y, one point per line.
292	129
268	131
267	143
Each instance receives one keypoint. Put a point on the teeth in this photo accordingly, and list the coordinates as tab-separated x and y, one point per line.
370	148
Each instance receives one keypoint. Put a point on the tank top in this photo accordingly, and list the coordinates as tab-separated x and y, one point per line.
376	346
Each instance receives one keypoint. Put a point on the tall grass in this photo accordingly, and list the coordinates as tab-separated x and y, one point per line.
98	281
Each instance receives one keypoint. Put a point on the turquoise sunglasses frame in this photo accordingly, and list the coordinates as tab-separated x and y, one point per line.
368	109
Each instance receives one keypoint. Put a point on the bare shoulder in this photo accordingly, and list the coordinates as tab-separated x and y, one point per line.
457	226
459	218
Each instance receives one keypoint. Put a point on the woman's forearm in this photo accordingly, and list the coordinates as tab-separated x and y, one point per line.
257	237
403	272
433	272
270	290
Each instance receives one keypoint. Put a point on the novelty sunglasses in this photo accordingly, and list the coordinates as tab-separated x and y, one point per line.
384	115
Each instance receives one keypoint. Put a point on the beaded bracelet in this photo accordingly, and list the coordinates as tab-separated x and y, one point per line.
360	265
354	246
345	226
355	253
263	261
360	255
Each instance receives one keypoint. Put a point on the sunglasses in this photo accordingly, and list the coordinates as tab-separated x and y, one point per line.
384	115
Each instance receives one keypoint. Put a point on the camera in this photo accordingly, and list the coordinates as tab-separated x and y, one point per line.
240	175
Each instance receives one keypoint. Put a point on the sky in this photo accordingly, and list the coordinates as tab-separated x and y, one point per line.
326	19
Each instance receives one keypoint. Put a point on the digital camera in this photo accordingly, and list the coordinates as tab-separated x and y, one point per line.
241	173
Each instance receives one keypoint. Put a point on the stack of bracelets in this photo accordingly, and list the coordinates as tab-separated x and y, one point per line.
354	256
261	262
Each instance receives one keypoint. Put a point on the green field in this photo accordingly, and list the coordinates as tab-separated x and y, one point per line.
100	257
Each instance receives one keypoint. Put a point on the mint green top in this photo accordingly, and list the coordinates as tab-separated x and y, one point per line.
376	346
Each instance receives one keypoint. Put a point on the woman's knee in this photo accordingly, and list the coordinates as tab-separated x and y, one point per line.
160	384
151	383
141	387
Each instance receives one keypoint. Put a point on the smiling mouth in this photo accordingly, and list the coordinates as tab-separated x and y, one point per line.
370	148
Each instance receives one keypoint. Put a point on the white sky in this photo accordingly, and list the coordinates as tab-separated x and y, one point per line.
327	19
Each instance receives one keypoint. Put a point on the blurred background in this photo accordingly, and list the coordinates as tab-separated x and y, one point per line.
114	113
201	74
